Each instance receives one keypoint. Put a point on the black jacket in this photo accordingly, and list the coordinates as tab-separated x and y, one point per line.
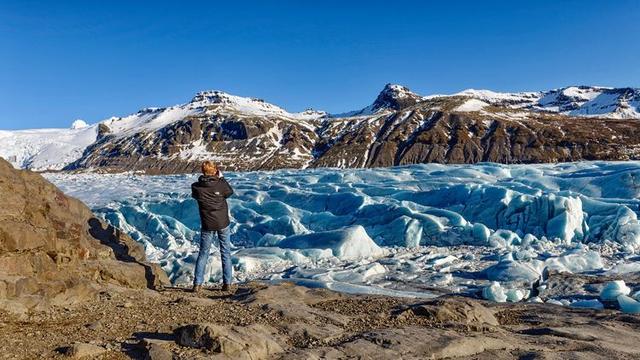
212	192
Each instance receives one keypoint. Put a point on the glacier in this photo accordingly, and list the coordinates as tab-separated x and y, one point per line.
491	230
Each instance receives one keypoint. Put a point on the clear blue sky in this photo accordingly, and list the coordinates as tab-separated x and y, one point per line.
62	60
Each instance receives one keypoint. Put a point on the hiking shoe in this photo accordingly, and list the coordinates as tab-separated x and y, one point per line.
226	287
197	289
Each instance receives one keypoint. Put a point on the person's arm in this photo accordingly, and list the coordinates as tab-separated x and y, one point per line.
193	192
227	190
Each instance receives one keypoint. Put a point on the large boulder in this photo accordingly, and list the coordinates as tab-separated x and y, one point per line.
454	310
54	251
255	341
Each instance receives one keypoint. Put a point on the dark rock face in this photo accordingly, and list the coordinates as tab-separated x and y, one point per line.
103	130
54	251
399	128
420	136
238	144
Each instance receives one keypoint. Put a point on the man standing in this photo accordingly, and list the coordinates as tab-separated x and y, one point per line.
211	191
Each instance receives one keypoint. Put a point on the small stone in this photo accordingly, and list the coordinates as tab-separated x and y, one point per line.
157	352
127	304
81	350
94	325
167	341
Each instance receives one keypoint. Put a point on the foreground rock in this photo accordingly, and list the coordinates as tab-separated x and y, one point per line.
157	352
254	341
79	351
454	310
53	251
291	322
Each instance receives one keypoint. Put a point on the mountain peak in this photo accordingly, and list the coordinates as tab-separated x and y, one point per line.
396	97
392	97
211	97
214	97
249	105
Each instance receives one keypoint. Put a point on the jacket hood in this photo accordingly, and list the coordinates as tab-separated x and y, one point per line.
207	178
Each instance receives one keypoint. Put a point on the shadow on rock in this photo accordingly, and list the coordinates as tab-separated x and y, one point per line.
127	250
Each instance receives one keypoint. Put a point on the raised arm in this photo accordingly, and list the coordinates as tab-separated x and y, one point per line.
227	190
194	194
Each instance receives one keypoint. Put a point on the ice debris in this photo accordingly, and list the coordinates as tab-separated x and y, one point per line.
494	292
628	305
348	243
590	304
507	270
613	289
516	295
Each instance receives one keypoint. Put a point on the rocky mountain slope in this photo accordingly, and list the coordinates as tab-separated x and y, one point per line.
53	251
399	127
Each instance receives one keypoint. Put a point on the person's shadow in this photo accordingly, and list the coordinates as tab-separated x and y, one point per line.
133	253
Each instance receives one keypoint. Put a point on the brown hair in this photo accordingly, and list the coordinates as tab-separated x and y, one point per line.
209	168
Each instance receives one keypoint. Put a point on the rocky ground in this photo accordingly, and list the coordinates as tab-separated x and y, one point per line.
290	322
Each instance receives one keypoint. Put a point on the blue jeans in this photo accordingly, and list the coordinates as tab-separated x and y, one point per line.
224	236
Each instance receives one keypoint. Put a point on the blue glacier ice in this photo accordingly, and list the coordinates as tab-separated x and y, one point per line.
613	289
494	292
349	243
589	304
420	229
628	305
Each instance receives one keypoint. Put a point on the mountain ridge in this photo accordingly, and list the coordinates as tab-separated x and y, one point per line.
398	127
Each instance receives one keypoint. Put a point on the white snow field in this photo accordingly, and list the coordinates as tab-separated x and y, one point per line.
490	230
46	149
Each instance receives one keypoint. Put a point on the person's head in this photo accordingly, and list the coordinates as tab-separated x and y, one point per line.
209	168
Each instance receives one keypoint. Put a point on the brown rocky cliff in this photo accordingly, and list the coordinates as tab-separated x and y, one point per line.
431	131
53	251
420	135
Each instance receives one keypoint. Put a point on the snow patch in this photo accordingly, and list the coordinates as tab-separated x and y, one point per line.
471	105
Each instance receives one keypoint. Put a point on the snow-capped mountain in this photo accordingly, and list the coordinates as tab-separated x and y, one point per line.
590	101
398	127
248	106
392	97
